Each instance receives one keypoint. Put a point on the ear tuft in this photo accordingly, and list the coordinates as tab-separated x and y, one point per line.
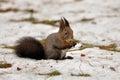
64	22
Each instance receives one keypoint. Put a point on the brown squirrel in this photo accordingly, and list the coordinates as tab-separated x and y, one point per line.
53	47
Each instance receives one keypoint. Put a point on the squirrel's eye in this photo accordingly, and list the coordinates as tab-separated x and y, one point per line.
66	33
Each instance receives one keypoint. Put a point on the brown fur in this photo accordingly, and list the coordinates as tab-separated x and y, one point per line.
54	45
30	48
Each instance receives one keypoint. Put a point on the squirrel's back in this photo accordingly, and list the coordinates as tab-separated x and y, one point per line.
30	47
53	46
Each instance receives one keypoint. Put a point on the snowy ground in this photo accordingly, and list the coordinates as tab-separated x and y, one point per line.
94	22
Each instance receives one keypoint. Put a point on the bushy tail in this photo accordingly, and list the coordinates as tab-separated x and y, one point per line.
30	48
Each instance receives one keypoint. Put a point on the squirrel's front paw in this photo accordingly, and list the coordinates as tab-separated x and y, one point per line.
74	43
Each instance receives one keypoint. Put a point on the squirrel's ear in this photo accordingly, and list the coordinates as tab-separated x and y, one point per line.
66	23
63	23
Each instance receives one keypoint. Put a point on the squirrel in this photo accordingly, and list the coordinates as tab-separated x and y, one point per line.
53	47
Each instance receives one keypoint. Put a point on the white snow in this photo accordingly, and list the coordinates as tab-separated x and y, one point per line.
104	29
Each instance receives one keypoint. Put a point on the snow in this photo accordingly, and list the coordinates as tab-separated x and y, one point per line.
104	29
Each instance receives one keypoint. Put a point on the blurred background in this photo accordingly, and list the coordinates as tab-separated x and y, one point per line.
93	21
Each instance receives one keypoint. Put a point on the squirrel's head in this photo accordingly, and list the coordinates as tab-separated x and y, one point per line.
65	32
